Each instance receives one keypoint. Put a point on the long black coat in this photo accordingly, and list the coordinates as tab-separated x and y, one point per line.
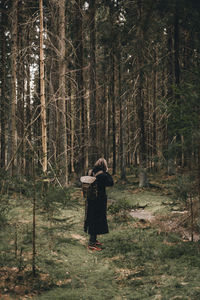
96	209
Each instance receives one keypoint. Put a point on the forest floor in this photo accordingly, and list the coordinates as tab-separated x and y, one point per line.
148	253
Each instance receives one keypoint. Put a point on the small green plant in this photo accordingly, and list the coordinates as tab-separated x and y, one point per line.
120	210
4	209
184	187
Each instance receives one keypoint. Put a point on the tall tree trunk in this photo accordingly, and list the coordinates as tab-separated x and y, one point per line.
170	98
112	90
79	77
63	157
42	93
21	93
199	181
92	82
155	81
52	118
122	104
176	45
143	181
13	145
105	107
3	86
53	79
72	131
112	96
28	164
177	73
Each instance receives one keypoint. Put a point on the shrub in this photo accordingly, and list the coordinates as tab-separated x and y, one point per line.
120	210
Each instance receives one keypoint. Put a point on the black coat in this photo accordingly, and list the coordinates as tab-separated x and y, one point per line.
96	209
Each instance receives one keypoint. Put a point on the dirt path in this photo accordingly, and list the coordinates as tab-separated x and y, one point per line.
173	223
142	214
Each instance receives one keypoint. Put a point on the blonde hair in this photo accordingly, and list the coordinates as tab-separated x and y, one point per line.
102	164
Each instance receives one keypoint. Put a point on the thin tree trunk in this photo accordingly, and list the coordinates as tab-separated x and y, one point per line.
170	98
79	76
34	223
199	183
3	87
52	118
21	96
72	132
28	157
61	102
154	112
112	96
177	72
122	103
88	131
176	46
143	181
92	82
42	94
105	106
53	78
112	92
13	145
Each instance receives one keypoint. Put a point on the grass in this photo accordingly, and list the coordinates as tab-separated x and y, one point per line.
139	261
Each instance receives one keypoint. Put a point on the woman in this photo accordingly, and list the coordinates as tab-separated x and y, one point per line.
96	209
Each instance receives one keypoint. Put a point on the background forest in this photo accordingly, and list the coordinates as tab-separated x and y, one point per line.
80	80
84	79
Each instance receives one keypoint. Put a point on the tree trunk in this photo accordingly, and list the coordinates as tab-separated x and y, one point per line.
21	95
13	142
106	108
63	157
155	81
176	46
72	132
3	87
112	91
28	157
52	118
53	79
79	77
177	75
42	94
170	98
34	223
143	181
199	184
122	108
92	83
112	96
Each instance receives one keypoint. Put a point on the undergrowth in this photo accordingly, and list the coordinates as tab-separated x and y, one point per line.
138	260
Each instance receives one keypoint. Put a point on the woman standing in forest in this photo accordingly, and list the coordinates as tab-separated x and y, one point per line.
96	209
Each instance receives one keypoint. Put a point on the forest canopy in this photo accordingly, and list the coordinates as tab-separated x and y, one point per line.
85	79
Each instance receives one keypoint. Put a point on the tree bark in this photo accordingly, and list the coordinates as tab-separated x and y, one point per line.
13	142
28	157
170	98
92	83
61	101
143	181
155	81
112	96
79	77
3	87
112	90
21	92
42	94
123	120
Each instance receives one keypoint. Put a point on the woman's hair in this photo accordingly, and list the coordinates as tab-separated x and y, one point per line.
101	164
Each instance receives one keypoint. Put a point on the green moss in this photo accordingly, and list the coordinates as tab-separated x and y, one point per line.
136	263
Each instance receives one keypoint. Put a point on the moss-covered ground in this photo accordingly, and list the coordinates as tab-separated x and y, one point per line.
140	259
